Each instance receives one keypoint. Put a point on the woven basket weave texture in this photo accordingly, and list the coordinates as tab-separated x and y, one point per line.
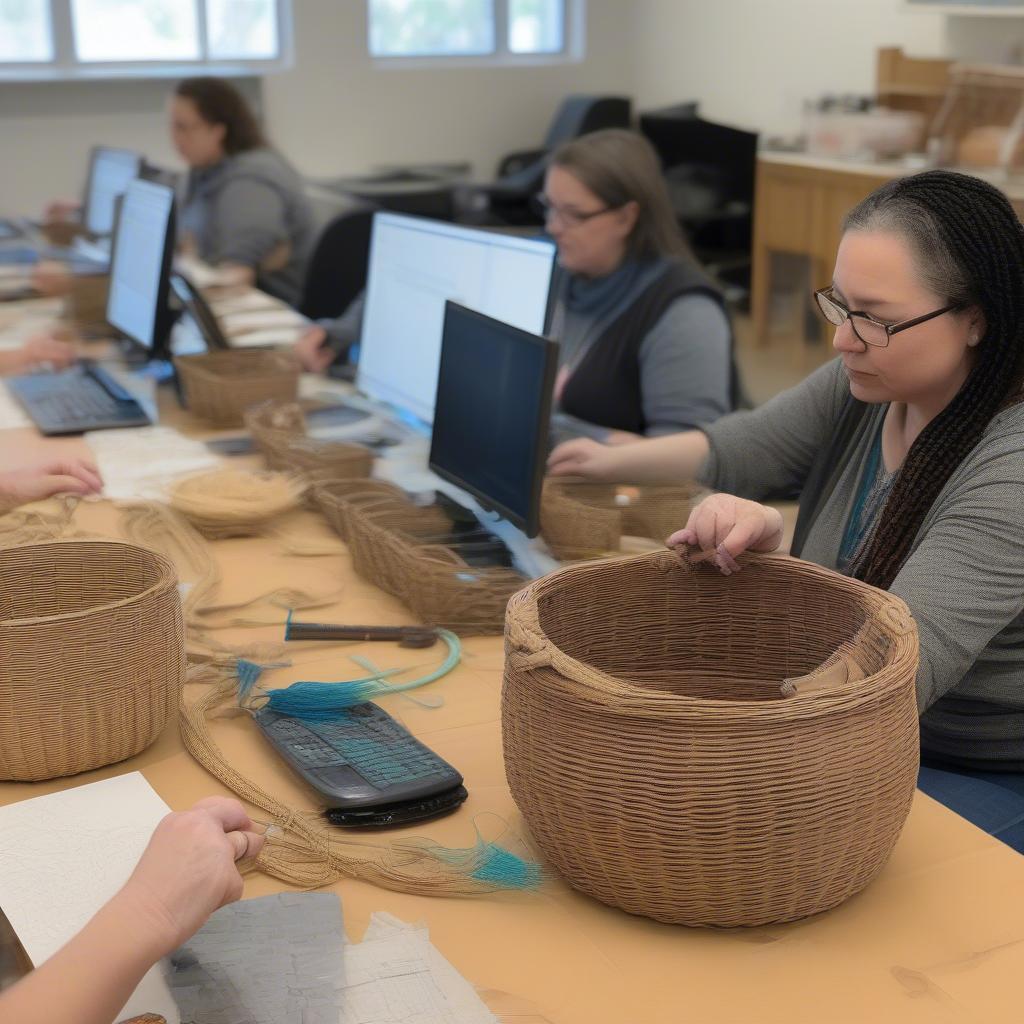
92	655
656	762
220	386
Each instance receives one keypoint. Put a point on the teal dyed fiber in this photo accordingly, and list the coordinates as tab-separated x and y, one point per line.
248	673
321	701
504	869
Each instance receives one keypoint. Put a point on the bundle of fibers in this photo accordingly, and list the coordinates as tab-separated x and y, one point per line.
234	502
303	850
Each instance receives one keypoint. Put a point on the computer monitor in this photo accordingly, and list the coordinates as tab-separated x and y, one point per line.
140	266
493	411
110	171
417	265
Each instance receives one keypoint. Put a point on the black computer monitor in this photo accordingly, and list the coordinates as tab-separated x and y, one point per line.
110	172
492	413
141	264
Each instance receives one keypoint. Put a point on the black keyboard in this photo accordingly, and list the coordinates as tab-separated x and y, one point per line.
361	758
84	397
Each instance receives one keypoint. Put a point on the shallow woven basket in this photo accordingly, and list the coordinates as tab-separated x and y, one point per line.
388	538
279	430
92	655
219	386
235	503
587	520
656	762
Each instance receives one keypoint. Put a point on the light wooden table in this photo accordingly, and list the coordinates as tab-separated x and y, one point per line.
937	938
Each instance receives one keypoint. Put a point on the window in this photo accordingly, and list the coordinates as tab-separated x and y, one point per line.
501	30
91	38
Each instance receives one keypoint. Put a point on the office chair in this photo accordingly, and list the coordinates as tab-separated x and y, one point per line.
520	175
338	267
709	169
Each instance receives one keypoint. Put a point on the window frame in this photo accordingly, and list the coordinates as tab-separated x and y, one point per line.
572	52
66	67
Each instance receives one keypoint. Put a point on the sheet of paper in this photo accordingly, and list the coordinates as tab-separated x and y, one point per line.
64	855
268	337
271	960
139	462
11	413
257	319
247	301
396	976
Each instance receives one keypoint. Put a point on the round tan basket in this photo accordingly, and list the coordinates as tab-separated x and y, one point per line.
656	761
220	386
580	519
92	655
279	430
235	502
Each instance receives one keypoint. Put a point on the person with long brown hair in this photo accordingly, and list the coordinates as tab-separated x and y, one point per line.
244	206
645	340
908	451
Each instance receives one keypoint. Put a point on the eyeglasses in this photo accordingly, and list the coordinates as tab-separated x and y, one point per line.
865	327
568	215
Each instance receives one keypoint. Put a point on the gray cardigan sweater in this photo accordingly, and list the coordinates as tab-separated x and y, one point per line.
963	580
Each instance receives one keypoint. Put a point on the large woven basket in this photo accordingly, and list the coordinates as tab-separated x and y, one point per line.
220	386
279	430
92	655
656	761
580	519
389	539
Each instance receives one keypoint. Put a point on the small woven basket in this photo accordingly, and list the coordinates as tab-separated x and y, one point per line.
279	430
656	761
588	520
220	386
233	502
390	541
92	655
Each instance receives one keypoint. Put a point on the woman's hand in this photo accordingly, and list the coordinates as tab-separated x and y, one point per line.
45	479
188	870
584	457
312	352
41	349
724	526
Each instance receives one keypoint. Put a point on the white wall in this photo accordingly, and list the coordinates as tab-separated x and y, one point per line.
753	62
333	113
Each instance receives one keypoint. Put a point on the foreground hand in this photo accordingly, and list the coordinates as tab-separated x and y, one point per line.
43	349
724	526
312	352
583	457
45	479
188	870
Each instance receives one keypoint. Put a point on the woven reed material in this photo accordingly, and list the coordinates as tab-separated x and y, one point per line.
234	503
279	430
92	655
588	520
659	767
389	539
220	386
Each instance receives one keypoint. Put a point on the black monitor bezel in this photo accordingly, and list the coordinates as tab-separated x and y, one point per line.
529	524
163	318
199	309
86	199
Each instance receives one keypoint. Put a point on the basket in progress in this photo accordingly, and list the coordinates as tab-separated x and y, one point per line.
279	430
656	760
580	519
391	543
235	502
219	386
92	655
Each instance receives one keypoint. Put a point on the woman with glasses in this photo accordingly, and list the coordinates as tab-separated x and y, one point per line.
645	341
908	451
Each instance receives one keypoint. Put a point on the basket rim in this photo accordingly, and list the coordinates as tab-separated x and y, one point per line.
168	581
527	643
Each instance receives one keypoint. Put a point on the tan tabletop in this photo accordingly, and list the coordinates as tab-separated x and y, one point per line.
938	937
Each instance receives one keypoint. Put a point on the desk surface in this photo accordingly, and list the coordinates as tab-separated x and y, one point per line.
938	937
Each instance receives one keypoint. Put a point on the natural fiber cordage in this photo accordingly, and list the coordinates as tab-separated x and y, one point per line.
658	763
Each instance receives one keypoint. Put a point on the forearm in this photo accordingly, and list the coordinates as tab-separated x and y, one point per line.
91	978
660	460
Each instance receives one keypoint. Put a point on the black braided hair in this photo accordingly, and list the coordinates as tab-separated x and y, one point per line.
968	246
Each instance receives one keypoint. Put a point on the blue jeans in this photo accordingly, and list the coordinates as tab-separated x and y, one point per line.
994	801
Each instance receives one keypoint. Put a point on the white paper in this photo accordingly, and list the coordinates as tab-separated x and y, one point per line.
396	976
250	320
269	337
64	855
139	462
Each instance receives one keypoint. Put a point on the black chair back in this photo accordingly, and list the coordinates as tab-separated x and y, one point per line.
339	264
